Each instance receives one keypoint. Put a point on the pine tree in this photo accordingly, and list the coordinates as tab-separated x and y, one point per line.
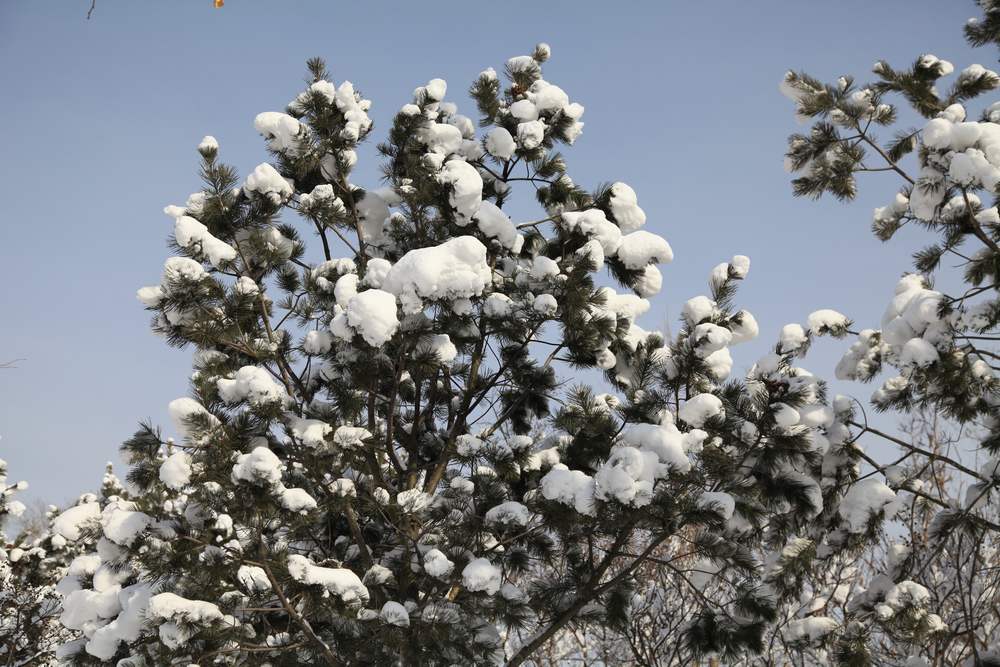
30	564
396	450
940	348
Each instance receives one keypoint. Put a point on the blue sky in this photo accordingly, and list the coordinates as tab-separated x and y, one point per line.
101	119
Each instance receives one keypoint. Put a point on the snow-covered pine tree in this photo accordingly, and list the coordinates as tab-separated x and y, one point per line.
940	347
30	565
379	463
955	573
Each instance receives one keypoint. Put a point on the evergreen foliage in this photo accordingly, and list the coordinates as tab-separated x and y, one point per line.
419	432
380	460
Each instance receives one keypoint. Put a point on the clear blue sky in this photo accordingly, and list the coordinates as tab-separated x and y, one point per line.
100	120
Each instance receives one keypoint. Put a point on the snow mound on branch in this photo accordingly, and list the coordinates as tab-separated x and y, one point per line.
372	314
482	575
708	338
625	208
85	608
441	346
177	272
192	235
543	267
495	224
861	361
973	148
376	271
906	594
246	286
312	432
437	565
267	182
261	466
628	476
320	195
547	97
208	144
719	502
867	497
441	138
373	211
699	409
720	364
466	194
434	91
150	296
351	436
918	352
523	110
531	134
545	304
394	613
253	578
569	487
182	268
70	523
785	416
641	248
297	500
508	513
126	627
281	131
810	629
252	384
178	614
521	65
343	488
739	266
175	471
624	306
649	283
456	269
498	305
500	144
354	108
791	338
664	440
345	289
121	524
182	410
468	445
827	321
698	309
592	252
815	415
317	342
594	224
413	501
743	327
340	582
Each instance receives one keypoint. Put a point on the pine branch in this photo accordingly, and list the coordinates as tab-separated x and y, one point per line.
324	649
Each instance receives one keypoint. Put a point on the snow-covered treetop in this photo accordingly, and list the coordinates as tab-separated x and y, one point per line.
381	447
939	349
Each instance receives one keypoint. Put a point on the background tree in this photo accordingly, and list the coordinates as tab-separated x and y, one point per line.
30	564
378	461
958	576
941	347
